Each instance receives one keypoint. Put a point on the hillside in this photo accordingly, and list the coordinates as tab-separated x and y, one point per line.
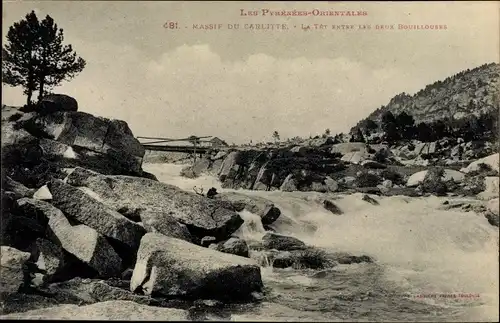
468	92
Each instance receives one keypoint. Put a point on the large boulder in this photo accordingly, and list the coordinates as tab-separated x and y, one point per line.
281	242
492	161
289	184
81	241
109	310
306	258
164	224
173	267
92	137
202	216
85	209
254	204
50	258
11	265
348	147
228	165
491	188
17	188
20	153
89	291
449	174
57	102
492	212
233	246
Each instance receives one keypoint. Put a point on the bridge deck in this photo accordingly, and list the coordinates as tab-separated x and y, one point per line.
184	149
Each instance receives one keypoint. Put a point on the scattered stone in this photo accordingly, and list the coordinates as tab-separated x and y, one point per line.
12	274
234	246
262	207
173	267
289	184
17	188
207	241
51	259
281	242
332	207
311	258
127	274
371	164
164	224
347	258
43	194
387	183
370	199
331	184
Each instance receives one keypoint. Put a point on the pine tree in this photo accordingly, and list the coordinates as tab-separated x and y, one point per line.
18	55
35	57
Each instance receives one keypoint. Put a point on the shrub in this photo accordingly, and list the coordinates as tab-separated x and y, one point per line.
381	155
393	176
311	258
433	182
366	179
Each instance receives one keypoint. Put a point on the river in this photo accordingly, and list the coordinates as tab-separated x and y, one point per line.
430	264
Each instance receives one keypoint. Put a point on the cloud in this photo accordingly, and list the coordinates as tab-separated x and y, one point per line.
191	90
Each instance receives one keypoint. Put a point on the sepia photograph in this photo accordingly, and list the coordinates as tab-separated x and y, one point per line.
314	161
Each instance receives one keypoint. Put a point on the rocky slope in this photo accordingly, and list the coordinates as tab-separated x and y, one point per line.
475	91
82	223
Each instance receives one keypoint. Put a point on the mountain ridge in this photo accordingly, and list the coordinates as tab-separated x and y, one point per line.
475	91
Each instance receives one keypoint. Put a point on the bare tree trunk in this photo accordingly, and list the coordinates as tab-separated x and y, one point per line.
42	84
29	93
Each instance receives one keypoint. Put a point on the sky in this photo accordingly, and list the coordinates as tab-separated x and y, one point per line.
243	84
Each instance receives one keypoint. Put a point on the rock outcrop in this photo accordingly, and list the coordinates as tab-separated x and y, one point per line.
81	241
12	269
282	242
201	215
449	174
87	210
56	103
262	207
172	267
233	246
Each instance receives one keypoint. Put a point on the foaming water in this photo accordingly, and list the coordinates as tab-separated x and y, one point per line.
435	257
252	229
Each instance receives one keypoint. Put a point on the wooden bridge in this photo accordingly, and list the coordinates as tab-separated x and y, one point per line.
192	144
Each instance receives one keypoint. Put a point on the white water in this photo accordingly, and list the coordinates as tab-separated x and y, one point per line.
421	249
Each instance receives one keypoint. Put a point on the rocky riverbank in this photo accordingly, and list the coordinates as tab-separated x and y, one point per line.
328	167
82	223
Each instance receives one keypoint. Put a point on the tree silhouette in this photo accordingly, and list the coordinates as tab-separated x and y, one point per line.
389	126
405	125
35	57
276	136
18	55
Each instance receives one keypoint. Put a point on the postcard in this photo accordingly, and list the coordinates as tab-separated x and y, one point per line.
250	160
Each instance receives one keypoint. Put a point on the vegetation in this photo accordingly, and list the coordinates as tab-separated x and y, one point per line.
460	106
35	58
433	182
366	179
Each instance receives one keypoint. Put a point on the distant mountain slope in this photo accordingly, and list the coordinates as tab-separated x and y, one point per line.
475	91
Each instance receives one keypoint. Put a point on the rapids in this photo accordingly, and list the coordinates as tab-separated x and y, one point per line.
430	264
